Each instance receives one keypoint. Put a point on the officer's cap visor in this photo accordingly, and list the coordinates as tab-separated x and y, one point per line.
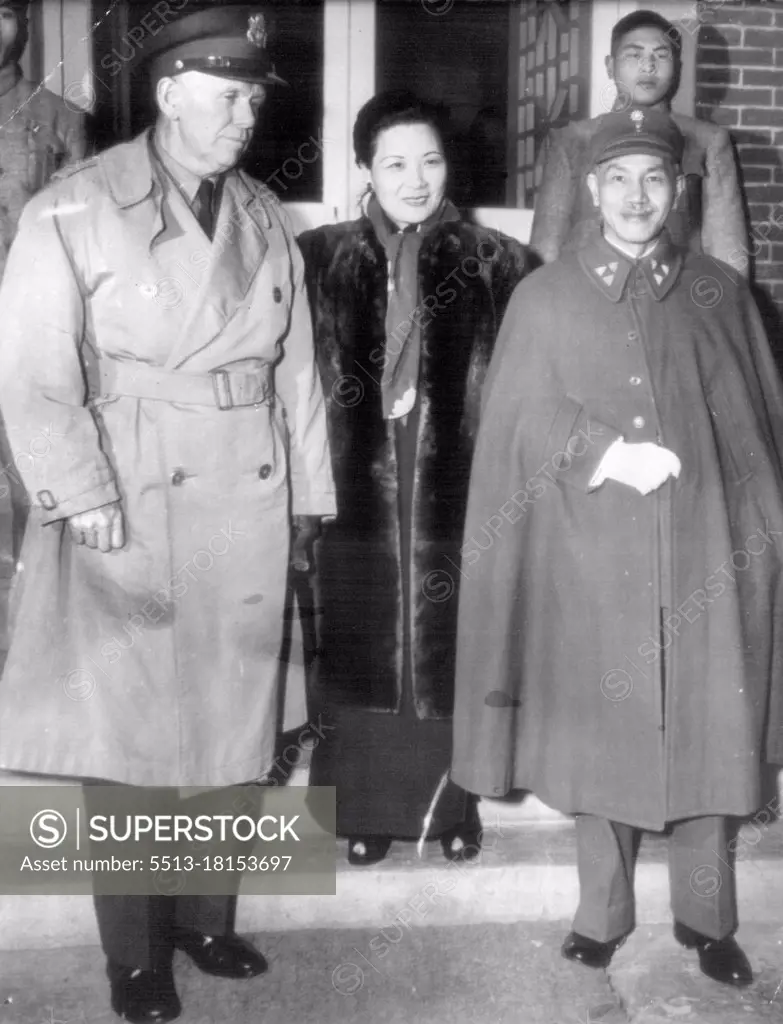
650	145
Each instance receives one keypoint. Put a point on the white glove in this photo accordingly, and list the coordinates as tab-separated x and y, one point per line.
643	466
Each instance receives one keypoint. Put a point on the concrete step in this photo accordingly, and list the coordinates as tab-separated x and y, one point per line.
525	873
480	974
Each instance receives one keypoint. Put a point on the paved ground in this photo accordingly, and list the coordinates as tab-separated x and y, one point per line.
483	974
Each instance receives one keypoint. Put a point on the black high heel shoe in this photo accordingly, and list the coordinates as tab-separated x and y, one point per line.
367	849
462	842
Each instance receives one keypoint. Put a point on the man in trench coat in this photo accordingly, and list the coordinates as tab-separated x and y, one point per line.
157	373
620	612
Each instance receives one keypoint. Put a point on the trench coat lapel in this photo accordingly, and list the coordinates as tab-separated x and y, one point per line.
233	260
220	272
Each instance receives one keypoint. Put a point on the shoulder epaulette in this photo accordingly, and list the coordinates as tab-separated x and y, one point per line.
70	169
262	190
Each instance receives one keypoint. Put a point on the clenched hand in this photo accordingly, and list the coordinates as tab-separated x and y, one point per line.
102	527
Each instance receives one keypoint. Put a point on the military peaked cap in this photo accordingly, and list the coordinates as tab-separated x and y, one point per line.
229	42
638	130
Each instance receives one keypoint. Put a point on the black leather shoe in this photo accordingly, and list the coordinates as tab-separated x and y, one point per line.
720	959
225	956
461	843
589	952
143	996
368	849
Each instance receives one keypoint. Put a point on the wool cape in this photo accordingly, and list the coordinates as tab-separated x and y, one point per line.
619	654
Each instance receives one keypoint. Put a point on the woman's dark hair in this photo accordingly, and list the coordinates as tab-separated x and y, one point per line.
387	110
646	19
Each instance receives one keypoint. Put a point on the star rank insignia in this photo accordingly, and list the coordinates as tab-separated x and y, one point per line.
256	30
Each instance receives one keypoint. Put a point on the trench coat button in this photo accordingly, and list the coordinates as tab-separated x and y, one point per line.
178	477
265	472
636	381
638	422
633	335
277	295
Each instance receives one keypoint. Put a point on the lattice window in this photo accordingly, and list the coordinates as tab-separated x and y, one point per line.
552	80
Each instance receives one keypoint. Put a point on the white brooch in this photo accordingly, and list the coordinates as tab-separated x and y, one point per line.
637	116
256	30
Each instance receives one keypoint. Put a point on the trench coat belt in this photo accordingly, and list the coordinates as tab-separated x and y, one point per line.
242	383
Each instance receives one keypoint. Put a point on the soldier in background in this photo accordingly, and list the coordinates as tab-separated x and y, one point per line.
645	63
38	135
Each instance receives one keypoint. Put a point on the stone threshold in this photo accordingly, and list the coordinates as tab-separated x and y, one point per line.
525	873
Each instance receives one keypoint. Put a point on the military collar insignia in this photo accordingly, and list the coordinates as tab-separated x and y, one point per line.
607	272
610	270
659	270
637	116
256	31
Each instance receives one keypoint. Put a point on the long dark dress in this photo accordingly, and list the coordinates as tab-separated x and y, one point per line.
388	566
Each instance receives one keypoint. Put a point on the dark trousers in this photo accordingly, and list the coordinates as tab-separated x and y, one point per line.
701	877
136	930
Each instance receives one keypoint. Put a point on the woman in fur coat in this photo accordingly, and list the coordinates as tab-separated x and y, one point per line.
407	302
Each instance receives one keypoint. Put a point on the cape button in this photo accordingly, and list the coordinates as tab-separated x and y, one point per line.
636	381
277	295
178	477
265	471
638	422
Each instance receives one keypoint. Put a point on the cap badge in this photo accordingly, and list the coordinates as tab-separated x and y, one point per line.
637	116
256	30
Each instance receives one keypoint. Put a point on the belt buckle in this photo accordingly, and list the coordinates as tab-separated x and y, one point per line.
221	386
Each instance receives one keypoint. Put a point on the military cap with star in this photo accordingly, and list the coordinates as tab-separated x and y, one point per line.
637	130
229	42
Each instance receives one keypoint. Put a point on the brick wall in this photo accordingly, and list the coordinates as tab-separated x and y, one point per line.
739	84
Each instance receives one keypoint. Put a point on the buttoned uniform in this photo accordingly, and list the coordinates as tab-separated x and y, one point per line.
39	135
635	640
708	217
174	375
